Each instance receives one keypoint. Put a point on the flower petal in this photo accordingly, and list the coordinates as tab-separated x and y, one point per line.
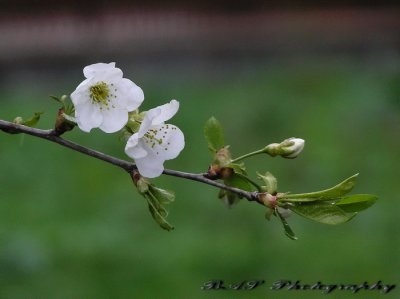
128	94
165	141
167	112
98	68
148	120
114	119
150	166
88	116
81	93
134	147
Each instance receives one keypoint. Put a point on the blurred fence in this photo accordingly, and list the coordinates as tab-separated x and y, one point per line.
129	31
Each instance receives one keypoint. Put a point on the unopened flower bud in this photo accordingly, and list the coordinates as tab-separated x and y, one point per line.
292	147
289	148
267	200
223	157
214	172
18	120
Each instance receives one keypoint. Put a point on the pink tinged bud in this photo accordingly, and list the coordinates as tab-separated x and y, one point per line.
268	200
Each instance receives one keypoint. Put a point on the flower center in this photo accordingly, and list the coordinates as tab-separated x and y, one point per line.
100	93
151	138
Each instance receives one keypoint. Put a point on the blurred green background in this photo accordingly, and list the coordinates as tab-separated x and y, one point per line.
74	227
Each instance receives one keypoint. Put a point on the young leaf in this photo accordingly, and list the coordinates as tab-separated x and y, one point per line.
237	181
164	196
234	180
268	213
329	194
288	230
231	199
56	99
156	204
356	202
31	122
158	213
214	134
238	167
270	182
327	213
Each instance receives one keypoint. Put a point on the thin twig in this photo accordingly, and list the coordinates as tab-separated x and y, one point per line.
51	135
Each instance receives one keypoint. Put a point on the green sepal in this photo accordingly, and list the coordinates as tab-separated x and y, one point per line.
124	134
323	212
288	230
329	194
214	134
356	202
134	121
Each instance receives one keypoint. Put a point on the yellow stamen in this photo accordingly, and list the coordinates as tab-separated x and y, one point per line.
99	93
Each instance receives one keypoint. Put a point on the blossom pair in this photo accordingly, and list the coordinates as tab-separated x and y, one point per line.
104	99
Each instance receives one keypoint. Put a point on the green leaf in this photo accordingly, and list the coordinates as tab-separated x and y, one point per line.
214	134
156	204
327	213
31	122
221	193
268	213
238	167
329	194
164	196
158	212
231	198
356	202
56	99
271	183
288	230
237	181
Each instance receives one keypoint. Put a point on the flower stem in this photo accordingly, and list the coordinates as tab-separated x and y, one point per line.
261	151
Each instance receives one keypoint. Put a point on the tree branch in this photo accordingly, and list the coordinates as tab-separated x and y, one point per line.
51	135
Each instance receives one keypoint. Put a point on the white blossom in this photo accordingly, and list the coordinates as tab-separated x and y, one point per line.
104	99
155	141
